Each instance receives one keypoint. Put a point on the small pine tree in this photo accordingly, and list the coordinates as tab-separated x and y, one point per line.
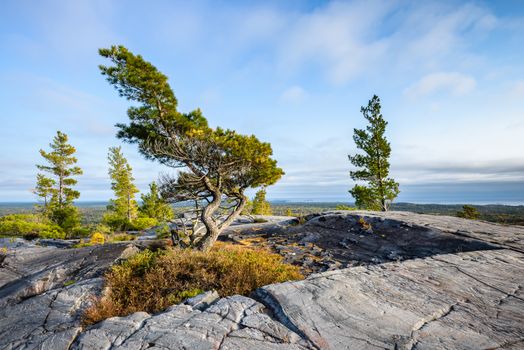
248	208
44	190
154	206
260	205
57	191
124	208
373	165
468	212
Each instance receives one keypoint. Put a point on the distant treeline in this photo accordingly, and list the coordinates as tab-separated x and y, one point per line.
504	214
92	212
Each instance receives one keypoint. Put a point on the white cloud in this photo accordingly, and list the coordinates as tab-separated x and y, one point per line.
517	89
432	33
454	83
344	40
439	171
336	36
293	94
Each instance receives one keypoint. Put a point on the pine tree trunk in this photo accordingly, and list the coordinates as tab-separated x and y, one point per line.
60	189
212	229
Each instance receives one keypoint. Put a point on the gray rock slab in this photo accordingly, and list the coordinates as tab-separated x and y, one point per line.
50	320
29	271
508	236
235	322
469	299
41	302
457	301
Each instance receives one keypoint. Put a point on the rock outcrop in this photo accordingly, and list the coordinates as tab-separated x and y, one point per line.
334	240
44	289
472	300
457	285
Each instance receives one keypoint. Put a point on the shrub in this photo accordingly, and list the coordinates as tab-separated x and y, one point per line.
68	217
153	281
344	207
248	208
115	221
29	226
82	244
364	224
118	223
120	237
104	229
52	232
140	224
300	220
260	205
468	212
81	232
163	231
97	238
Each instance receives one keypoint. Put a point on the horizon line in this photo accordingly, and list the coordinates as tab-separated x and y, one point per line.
305	201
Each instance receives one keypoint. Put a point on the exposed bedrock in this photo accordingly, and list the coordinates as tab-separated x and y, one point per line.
467	296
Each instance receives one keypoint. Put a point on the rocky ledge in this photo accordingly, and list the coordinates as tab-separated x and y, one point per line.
445	299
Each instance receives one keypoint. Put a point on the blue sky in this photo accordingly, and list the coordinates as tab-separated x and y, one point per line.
450	75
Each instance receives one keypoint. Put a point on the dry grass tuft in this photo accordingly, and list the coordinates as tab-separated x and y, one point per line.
151	281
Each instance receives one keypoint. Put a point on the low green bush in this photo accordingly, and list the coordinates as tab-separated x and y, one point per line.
117	223
140	224
81	232
163	231
120	237
344	207
468	212
29	226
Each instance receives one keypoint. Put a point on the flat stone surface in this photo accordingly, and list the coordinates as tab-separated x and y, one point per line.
508	236
471	300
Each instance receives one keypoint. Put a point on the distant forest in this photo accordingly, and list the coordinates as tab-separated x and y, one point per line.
92	212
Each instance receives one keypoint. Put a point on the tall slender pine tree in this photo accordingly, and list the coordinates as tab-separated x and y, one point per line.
57	191
373	165
124	206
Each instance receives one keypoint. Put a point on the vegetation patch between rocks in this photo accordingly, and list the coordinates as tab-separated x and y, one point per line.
29	226
151	281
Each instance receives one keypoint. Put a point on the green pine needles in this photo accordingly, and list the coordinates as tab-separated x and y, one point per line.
215	165
124	208
260	205
154	206
373	165
56	190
